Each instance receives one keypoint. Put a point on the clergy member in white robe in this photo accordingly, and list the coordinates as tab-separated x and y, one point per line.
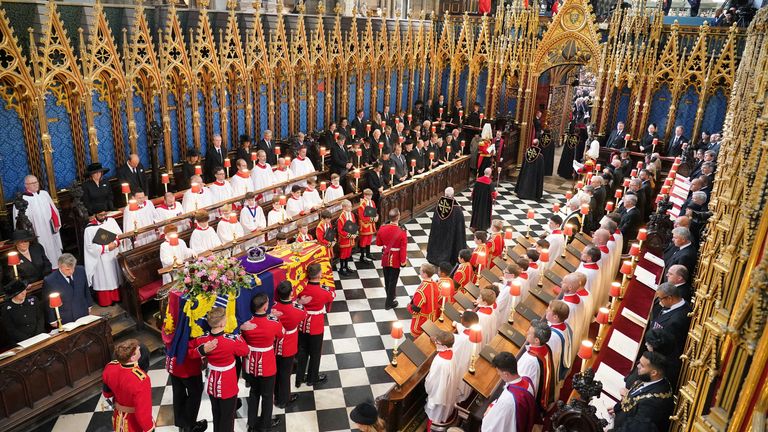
515	409
221	189
590	268
441	383
45	218
170	209
134	218
203	236
555	239
262	177
196	197
560	343
242	181
301	166
101	266
173	250
578	315
282	174
504	301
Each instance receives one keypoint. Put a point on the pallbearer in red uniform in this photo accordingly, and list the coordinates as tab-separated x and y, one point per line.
317	300
424	305
220	349
129	388
187	385
496	242
346	239
261	333
291	314
367	225
393	241
321	232
464	273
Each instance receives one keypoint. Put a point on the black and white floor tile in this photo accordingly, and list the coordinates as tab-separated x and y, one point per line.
357	343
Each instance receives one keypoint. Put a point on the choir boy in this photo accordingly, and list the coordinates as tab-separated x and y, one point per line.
303	234
142	215
203	237
295	205
170	209
424	305
346	239
334	191
486	311
441	383
173	254
367	226
263	178
242	182
464	273
462	351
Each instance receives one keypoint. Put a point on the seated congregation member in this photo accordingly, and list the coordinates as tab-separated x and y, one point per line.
197	197
244	150
366	418
367	226
187	169
346	239
486	312
295	205
22	314
504	300
650	399
220	349
33	263
536	362
173	250
317	299
130	389
101	265
631	220
424	305
311	196
261	333
229	227
464	273
142	215
214	157
221	189
678	276
242	182
555	239
133	174
375	180
97	193
71	283
683	252
462	351
516	409
442	381
203	236
291	315
561	341
303	235
334	191
170	209
670	312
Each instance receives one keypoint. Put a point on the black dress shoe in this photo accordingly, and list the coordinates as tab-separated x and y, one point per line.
391	305
275	421
321	378
299	382
291	399
200	426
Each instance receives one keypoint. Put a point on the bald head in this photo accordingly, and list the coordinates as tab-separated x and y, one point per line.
449	192
601	237
570	283
683	221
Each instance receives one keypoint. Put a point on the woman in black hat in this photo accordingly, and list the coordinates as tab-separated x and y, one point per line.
97	194
366	418
22	315
34	264
188	169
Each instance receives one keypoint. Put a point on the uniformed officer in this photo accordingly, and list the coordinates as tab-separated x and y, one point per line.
220	349
187	386
311	329
22	315
393	255
130	389
261	333
290	314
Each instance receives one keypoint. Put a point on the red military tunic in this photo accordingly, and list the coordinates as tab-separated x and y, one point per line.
495	247
191	366
346	241
132	391
261	341
393	241
304	237
322	297
320	234
367	224
222	376
424	305
464	274
292	315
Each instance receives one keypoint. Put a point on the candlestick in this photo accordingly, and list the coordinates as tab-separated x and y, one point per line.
602	319
476	337
396	333
544	258
515	288
585	353
14	260
54	301
653	148
198	170
165	180
642	235
615	294
126	189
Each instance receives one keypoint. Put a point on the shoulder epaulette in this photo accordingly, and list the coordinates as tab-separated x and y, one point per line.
325	287
114	362
298	306
231	336
272	318
140	374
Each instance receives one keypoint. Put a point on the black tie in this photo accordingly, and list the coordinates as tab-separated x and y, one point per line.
69	280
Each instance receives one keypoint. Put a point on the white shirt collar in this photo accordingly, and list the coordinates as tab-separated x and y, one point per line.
679	304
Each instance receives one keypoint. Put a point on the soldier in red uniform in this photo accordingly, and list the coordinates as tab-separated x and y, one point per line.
346	239
317	299
393	241
367	226
424	305
496	242
220	349
130	389
320	232
464	273
261	333
290	314
187	385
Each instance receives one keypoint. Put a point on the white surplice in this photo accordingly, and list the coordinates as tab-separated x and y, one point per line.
441	387
143	216
203	239
262	178
294	207
332	193
101	266
221	191
229	231
42	213
300	167
487	317
462	353
576	320
167	254
501	414
164	212
196	201
528	365
241	183
556	246
560	345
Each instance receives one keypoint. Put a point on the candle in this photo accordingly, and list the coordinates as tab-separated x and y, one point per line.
164	179
585	209
254	156
397	120
634	250
579	184
391	170
544	257
568	195
353	131
627	137
531	214
13	258
336	135
461	113
589	176
672	174
381	146
618	194
397	330
633	173
133	205
440	111
383	125
508	234
431	155
322	186
556	208
233	217
602	315
448	150
482	116
626	182
597	167
287	160
195	187
227	163
413	163
659	198
358	152
356	174
626	268
609	206
615	289
667	182
282	200
515	288
198	170
568	230
642	234
125	188
322	151
678	160
410	117
585	350
463	143
664	190
173	239
639	165
54	300
476	333
434	128
277	151
368	127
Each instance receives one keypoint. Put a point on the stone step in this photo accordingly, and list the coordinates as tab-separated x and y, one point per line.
121	325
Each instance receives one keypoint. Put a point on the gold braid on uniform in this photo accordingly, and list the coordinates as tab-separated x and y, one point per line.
628	403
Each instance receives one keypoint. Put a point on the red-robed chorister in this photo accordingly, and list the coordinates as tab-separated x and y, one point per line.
322	296
495	247
132	393
304	237
292	314
424	305
464	274
222	376
346	241
476	256
261	342
367	225
320	231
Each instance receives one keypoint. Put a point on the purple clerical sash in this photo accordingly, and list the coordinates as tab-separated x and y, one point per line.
526	409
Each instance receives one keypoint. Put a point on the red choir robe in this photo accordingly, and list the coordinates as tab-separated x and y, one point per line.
346	240
367	224
424	306
320	231
495	247
464	275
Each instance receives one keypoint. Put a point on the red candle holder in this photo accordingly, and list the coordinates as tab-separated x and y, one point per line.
125	188
254	156
227	163
609	206
195	187
413	163
353	131
198	170
585	209
642	234
173	239
164	179
391	170
556	208
278	151
627	137
133	205
282	200
618	194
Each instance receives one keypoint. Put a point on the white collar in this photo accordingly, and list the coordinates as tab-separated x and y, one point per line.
646	385
677	305
683	246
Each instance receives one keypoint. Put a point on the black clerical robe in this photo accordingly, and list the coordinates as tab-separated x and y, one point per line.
530	182
447	235
483	195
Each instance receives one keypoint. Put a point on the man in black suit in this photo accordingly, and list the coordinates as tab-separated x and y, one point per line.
684	253
400	163
340	163
646	142
71	283
649	401
214	158
537	124
387	116
440	103
678	275
630	220
358	124
670	313
646	190
133	174
616	138
601	195
268	146
675	146
375	180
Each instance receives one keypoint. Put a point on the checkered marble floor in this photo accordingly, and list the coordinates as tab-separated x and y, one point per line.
357	344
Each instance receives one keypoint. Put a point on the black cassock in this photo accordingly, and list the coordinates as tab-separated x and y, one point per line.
547	145
448	233
530	182
565	168
483	195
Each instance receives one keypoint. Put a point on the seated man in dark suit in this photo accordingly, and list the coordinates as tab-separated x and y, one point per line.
616	137
685	252
71	283
630	220
678	276
375	180
670	312
649	402
133	174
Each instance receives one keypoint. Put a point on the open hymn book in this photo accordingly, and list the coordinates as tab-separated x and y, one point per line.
80	322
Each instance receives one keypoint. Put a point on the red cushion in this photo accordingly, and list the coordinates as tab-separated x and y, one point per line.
149	291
